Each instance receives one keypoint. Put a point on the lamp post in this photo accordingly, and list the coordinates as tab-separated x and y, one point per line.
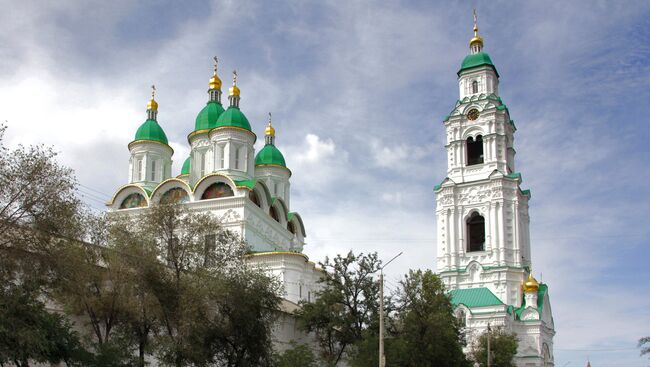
382	358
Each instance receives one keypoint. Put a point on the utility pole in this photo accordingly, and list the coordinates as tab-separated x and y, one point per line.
382	357
488	345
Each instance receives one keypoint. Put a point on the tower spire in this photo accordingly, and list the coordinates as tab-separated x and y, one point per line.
234	91
152	106
476	43
269	133
214	85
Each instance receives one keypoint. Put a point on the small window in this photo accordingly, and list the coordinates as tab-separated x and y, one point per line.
222	156
254	198
237	163
291	227
140	173
274	214
475	232
462	317
475	87
153	170
474	150
203	163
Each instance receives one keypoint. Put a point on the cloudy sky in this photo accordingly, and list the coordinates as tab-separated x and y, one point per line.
358	90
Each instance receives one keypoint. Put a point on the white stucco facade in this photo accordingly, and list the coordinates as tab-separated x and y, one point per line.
483	241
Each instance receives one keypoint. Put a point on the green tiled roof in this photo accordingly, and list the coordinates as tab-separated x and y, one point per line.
514	175
150	130
207	118
476	60
270	155
474	297
233	117
246	183
186	167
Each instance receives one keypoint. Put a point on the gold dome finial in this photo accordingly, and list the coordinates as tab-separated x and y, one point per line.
531	285
215	82
153	105
270	131
234	91
476	40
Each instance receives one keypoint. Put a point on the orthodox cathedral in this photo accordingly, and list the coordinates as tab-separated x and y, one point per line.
483	242
249	193
483	245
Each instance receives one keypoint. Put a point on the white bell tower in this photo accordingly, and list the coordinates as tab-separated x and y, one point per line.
482	213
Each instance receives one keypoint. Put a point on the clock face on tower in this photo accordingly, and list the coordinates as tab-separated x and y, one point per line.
472	114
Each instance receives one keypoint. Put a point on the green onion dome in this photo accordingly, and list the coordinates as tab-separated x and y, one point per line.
270	155
233	117
207	118
186	167
150	130
476	60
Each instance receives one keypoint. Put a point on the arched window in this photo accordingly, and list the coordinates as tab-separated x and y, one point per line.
203	157
274	214
174	195
475	233
237	160
134	200
462	317
475	87
217	190
153	170
254	198
474	150
222	156
291	227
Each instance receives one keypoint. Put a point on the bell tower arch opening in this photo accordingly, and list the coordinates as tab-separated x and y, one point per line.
475	232
474	150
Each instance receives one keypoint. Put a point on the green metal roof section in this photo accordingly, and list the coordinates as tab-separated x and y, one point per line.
270	155
150	130
541	292
207	118
233	117
475	60
474	297
186	167
514	176
246	183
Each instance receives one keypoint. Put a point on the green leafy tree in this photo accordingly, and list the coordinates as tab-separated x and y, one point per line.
428	334
422	331
38	207
503	348
298	355
29	333
644	344
211	307
346	307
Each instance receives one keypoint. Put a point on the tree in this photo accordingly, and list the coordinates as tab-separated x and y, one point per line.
211	307
422	330
428	334
38	207
644	344
28	332
298	355
346	307
503	348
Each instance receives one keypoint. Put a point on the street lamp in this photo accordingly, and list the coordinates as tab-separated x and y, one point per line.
382	357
